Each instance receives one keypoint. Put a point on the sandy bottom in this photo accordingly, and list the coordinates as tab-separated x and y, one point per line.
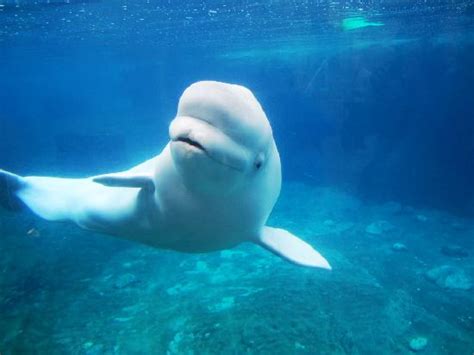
66	291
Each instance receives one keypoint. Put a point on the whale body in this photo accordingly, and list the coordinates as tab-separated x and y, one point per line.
212	187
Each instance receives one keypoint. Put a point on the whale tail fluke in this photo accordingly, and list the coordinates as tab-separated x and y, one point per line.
10	185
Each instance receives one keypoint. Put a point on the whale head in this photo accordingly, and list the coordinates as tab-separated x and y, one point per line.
220	137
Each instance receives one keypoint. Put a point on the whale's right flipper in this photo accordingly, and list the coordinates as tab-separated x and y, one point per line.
83	201
10	185
54	199
291	248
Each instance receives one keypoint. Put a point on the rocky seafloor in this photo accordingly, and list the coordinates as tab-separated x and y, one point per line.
402	282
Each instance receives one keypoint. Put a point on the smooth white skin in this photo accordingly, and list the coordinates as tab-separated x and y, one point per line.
212	187
203	200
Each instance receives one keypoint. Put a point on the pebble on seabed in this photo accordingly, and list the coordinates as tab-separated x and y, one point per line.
421	218
399	247
379	227
418	343
454	251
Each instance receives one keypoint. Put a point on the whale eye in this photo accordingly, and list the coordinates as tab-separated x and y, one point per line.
259	161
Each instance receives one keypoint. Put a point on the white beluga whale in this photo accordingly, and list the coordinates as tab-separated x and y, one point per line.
211	188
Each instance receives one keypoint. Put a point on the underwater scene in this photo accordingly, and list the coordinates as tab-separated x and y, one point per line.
236	177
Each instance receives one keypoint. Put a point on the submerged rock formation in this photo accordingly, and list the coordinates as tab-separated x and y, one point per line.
454	251
379	227
450	277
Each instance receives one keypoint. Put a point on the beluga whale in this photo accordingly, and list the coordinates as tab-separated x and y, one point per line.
211	188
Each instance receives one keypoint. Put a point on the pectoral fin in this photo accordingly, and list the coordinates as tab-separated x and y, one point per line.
291	248
126	180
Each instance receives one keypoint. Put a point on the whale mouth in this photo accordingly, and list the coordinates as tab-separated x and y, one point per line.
191	142
195	144
198	136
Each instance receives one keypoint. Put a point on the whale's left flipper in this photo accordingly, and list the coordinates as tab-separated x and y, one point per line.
291	248
10	184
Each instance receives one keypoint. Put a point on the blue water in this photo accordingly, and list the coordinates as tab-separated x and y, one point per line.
371	109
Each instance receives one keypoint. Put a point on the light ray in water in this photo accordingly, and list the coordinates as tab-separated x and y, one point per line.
354	23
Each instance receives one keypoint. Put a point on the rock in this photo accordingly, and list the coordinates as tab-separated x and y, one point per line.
225	303
299	346
95	349
399	247
392	207
458	226
454	251
233	254
201	267
331	226
174	347
421	218
449	277
418	343
458	280
125	280
122	319
182	288
379	227
329	223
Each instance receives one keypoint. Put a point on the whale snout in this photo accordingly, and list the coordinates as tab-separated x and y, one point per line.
191	135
